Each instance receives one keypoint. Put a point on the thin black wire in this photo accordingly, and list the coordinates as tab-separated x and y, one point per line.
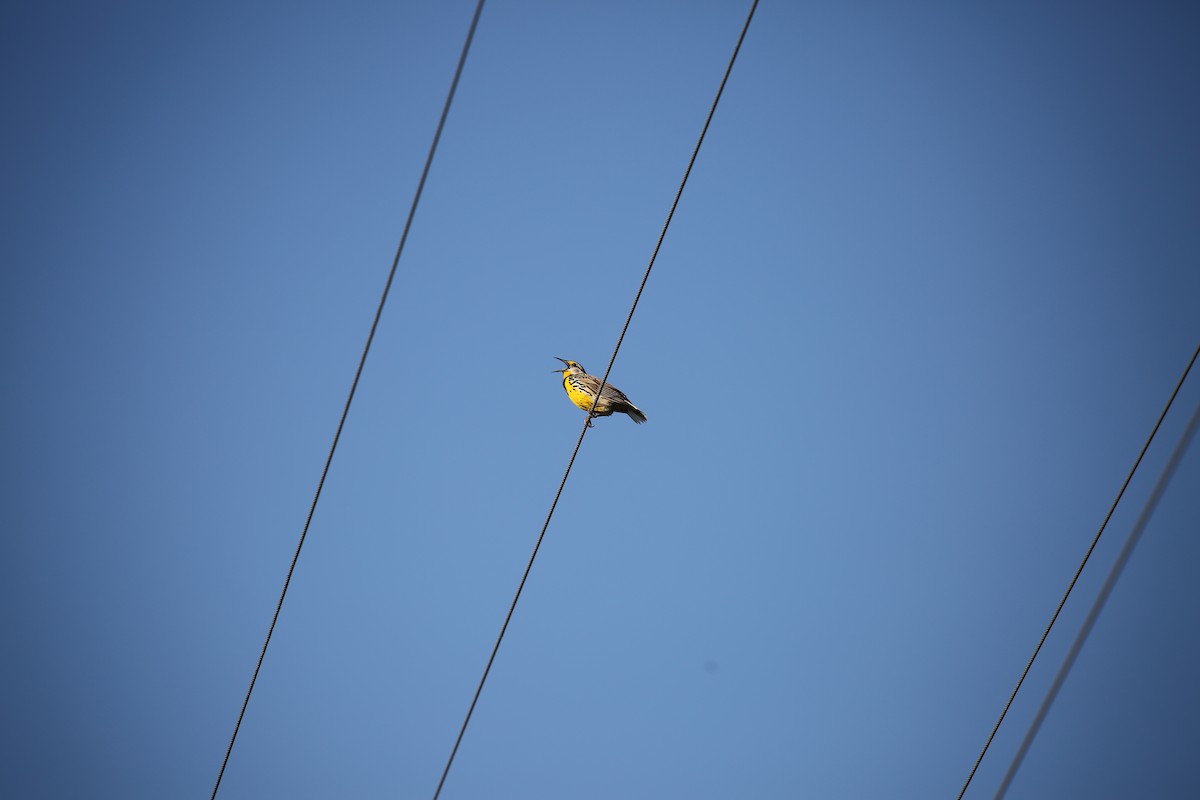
1079	571
354	385
587	421
1135	534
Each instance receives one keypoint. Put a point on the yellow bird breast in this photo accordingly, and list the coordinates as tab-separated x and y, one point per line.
581	398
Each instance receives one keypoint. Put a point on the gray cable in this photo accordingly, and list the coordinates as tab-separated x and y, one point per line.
1078	572
1135	534
353	387
587	420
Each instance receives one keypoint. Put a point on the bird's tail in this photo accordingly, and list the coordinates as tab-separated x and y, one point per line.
634	412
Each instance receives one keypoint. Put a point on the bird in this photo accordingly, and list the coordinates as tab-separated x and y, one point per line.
581	388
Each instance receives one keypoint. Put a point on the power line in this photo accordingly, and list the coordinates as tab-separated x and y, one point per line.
1079	571
1135	534
583	432
462	59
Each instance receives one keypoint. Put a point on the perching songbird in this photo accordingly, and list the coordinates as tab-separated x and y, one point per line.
581	388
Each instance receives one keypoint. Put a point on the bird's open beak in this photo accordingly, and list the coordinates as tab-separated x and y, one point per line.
564	362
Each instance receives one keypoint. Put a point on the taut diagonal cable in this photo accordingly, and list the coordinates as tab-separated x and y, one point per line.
587	420
462	60
1079	571
1135	533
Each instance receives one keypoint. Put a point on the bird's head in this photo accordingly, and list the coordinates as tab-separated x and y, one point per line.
571	368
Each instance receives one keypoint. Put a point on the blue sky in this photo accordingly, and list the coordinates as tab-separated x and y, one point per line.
933	278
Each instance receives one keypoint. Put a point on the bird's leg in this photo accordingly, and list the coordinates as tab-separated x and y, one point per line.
590	418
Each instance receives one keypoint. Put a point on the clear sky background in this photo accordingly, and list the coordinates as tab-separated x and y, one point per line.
933	278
